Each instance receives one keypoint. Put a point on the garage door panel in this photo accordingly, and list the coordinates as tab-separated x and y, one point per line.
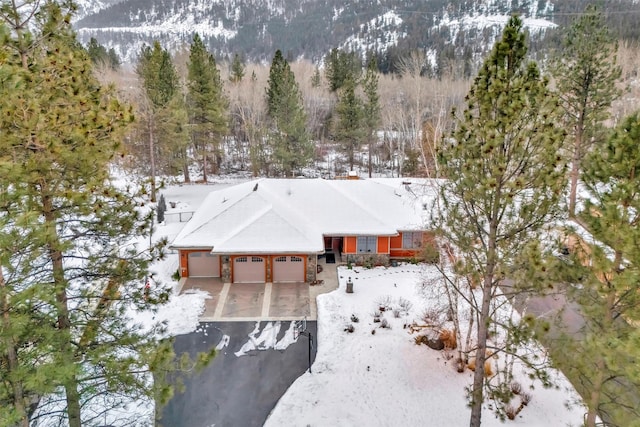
288	269
204	264
249	269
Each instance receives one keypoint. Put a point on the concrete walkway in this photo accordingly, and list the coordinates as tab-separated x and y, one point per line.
262	301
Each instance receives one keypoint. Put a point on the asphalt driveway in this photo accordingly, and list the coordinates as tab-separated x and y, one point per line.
235	390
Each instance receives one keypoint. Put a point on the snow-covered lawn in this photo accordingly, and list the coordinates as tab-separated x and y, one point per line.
379	377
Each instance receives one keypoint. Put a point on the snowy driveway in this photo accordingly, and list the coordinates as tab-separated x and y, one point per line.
242	384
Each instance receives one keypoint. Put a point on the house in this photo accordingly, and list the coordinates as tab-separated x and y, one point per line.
274	230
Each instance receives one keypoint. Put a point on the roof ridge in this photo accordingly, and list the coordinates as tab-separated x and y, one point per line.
187	232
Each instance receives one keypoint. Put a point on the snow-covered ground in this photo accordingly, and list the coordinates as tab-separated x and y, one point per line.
379	377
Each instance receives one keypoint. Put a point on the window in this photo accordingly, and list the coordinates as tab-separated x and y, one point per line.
367	244
296	259
411	239
241	259
256	259
281	259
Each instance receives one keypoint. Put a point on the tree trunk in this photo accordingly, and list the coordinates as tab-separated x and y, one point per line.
369	160
575	168
204	163
477	394
18	397
64	321
152	159
187	177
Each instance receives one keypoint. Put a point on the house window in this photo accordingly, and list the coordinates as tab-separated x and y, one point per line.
367	244
411	239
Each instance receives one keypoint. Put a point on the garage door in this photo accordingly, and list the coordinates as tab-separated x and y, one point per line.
204	264
288	269
248	269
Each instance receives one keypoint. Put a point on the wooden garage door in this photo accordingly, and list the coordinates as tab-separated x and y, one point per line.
249	269
204	264
288	269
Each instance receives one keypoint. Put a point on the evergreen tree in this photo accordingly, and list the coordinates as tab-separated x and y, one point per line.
371	108
70	272
350	130
290	142
341	66
316	79
237	69
609	295
206	104
504	181
585	71
101	57
161	85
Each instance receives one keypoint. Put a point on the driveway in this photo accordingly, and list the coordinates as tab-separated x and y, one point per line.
236	390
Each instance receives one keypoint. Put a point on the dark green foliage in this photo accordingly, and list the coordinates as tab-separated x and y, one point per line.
290	143
207	105
237	69
505	180
371	107
341	66
161	209
350	130
101	57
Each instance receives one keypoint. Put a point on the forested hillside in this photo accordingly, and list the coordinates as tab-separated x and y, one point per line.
446	29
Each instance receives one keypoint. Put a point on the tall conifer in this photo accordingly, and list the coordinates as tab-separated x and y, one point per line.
207	105
504	180
585	71
290	142
72	272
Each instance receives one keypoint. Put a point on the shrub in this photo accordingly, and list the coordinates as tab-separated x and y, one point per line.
354	318
396	313
516	388
161	209
384	303
376	316
176	275
404	304
511	412
350	328
385	324
525	398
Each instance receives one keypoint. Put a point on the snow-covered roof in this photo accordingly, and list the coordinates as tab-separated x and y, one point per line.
292	215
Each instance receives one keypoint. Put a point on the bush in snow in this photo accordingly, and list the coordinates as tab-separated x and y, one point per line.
384	303
161	209
354	318
350	328
385	324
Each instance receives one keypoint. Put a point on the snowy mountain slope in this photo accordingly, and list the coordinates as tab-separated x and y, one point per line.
310	28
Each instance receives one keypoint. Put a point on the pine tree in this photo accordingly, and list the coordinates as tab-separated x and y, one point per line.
586	72
290	142
504	180
206	104
341	66
70	273
161	85
316	79
609	295
349	129
237	69
371	108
